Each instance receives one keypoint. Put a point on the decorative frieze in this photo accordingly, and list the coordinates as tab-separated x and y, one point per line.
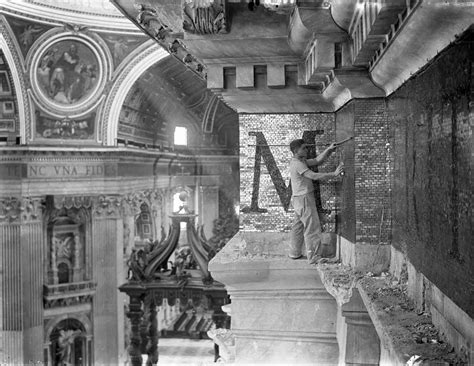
15	209
72	201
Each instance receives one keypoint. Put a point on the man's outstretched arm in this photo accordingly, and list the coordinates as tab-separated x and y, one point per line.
323	176
318	160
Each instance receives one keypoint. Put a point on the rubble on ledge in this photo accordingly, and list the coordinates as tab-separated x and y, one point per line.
410	337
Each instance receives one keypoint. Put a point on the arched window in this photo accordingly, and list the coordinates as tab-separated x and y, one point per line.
181	136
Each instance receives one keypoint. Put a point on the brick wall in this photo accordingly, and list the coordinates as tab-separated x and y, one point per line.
365	213
346	187
278	131
372	171
431	120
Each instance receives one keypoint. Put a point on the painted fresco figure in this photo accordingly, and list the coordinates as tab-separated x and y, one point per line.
306	227
65	81
45	68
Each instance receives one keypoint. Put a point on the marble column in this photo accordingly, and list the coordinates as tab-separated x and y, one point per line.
22	253
208	208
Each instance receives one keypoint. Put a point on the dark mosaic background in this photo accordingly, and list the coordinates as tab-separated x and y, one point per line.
431	125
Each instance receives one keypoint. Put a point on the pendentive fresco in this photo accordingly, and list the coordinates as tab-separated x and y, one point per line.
67	72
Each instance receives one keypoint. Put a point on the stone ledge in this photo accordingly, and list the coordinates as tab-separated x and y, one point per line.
402	332
250	246
339	280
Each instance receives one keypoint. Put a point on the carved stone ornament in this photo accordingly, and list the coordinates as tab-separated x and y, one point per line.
107	206
225	339
20	209
131	202
204	17
152	20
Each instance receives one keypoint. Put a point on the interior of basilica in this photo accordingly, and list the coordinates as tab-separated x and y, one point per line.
145	184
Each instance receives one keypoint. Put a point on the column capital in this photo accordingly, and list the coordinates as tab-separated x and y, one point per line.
21	209
107	206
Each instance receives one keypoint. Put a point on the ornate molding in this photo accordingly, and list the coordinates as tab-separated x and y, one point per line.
24	210
134	65
12	52
54	14
69	202
210	114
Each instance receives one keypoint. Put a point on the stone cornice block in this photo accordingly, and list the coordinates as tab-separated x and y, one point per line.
245	76
258	261
276	76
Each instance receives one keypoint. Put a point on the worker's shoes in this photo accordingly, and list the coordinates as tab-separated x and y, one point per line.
297	257
317	259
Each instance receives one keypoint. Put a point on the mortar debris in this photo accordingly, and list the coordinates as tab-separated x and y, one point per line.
411	332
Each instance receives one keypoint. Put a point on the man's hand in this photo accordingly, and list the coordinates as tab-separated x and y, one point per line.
339	170
332	147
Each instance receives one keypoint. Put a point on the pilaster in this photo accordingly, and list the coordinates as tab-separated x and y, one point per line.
107	261
365	214
21	280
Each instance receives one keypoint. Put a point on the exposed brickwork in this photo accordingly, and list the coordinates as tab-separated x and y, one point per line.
365	212
281	130
431	118
372	171
346	188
